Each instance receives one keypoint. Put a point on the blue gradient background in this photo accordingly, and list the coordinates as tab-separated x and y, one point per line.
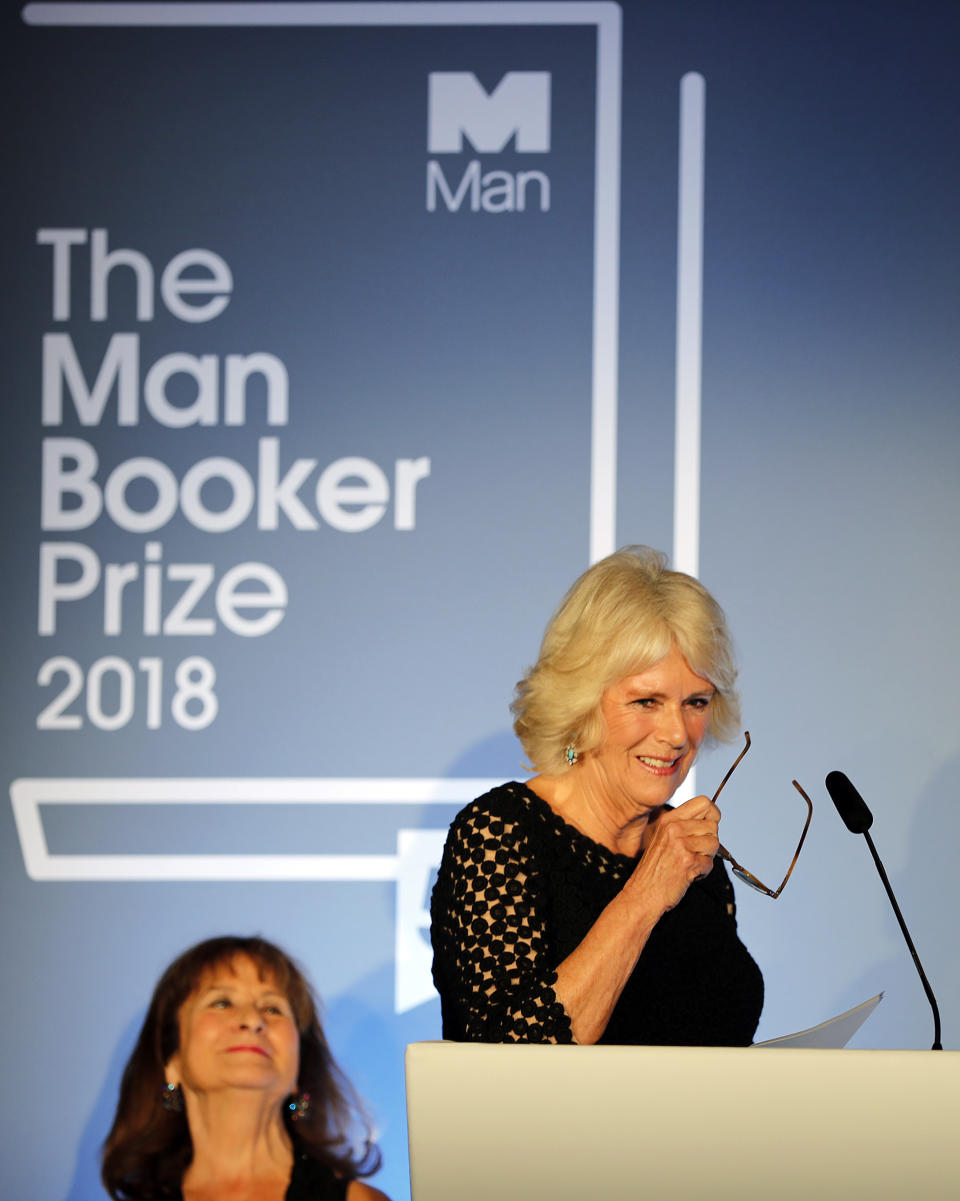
830	486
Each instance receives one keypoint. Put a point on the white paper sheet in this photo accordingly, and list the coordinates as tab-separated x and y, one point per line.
834	1033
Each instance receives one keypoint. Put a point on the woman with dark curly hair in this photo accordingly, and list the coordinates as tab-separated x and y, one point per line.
231	1091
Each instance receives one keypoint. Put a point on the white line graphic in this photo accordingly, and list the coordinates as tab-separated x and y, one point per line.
606	290
28	795
686	479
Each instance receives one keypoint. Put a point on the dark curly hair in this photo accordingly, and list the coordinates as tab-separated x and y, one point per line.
149	1147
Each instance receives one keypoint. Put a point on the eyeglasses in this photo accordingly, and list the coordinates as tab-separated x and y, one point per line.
740	872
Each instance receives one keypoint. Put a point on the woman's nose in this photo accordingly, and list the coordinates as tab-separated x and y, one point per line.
249	1018
673	729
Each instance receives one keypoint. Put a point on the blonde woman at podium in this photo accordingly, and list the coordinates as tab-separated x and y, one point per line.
231	1093
580	906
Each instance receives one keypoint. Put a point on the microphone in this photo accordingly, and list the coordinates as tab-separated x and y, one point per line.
850	804
858	819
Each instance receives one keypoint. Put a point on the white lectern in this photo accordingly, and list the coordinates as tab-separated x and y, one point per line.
544	1123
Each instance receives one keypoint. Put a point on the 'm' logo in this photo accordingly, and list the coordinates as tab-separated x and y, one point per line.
458	106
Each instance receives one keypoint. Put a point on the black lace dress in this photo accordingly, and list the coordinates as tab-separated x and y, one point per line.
517	891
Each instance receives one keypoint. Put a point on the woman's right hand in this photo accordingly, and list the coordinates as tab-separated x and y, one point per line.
679	847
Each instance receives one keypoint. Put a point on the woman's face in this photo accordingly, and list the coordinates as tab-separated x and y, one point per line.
655	722
237	1030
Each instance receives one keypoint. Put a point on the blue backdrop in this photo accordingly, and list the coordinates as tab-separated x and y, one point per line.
315	405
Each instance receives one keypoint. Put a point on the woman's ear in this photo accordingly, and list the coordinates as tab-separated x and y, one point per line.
171	1070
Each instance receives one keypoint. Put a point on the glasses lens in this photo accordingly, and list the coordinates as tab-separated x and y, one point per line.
750	881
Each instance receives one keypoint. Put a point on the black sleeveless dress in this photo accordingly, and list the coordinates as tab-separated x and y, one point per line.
309	1181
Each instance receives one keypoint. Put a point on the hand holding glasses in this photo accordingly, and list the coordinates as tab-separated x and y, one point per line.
740	872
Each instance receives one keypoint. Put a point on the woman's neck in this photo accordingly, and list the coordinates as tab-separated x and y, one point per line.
573	798
241	1148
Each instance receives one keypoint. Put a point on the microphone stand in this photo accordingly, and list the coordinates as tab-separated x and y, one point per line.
913	951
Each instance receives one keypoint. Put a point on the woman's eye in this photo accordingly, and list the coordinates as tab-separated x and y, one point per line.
645	702
700	702
220	1003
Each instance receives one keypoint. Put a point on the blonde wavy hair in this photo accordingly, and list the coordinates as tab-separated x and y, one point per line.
619	618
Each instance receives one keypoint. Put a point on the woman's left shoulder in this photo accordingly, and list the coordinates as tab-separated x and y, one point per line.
358	1191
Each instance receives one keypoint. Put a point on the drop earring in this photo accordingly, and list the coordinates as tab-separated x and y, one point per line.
298	1106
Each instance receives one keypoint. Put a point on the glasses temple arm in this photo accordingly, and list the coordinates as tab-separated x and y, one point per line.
746	735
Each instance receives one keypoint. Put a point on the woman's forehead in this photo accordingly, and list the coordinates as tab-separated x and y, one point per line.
236	968
670	671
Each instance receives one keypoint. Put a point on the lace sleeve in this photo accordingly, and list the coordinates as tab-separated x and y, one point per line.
491	959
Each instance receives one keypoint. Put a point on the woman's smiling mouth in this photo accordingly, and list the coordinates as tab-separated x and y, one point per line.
661	766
